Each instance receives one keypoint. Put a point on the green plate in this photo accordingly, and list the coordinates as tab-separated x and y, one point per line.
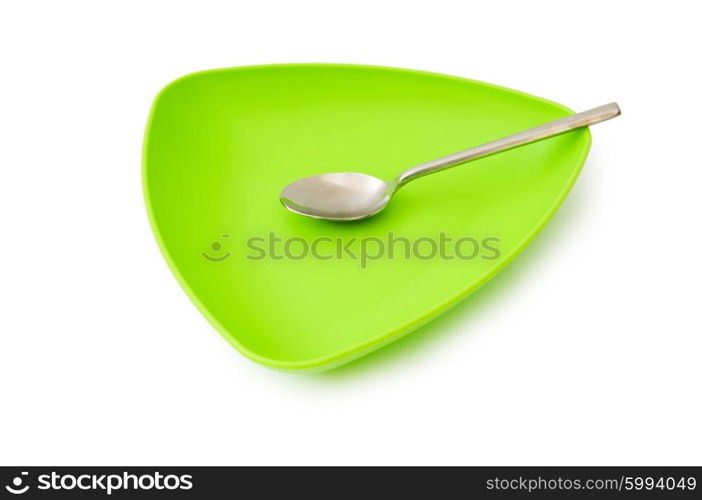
303	294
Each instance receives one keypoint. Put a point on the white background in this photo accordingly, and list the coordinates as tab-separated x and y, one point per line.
586	350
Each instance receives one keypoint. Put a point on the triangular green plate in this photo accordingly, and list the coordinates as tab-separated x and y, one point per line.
220	145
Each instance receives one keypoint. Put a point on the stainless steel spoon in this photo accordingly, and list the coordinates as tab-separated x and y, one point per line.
348	196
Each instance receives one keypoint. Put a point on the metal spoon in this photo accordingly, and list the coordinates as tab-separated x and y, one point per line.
350	196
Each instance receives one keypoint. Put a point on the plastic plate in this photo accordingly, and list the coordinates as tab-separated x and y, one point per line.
302	294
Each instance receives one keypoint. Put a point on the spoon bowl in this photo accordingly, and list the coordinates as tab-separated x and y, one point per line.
340	196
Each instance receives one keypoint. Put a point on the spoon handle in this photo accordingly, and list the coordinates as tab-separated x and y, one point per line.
528	136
